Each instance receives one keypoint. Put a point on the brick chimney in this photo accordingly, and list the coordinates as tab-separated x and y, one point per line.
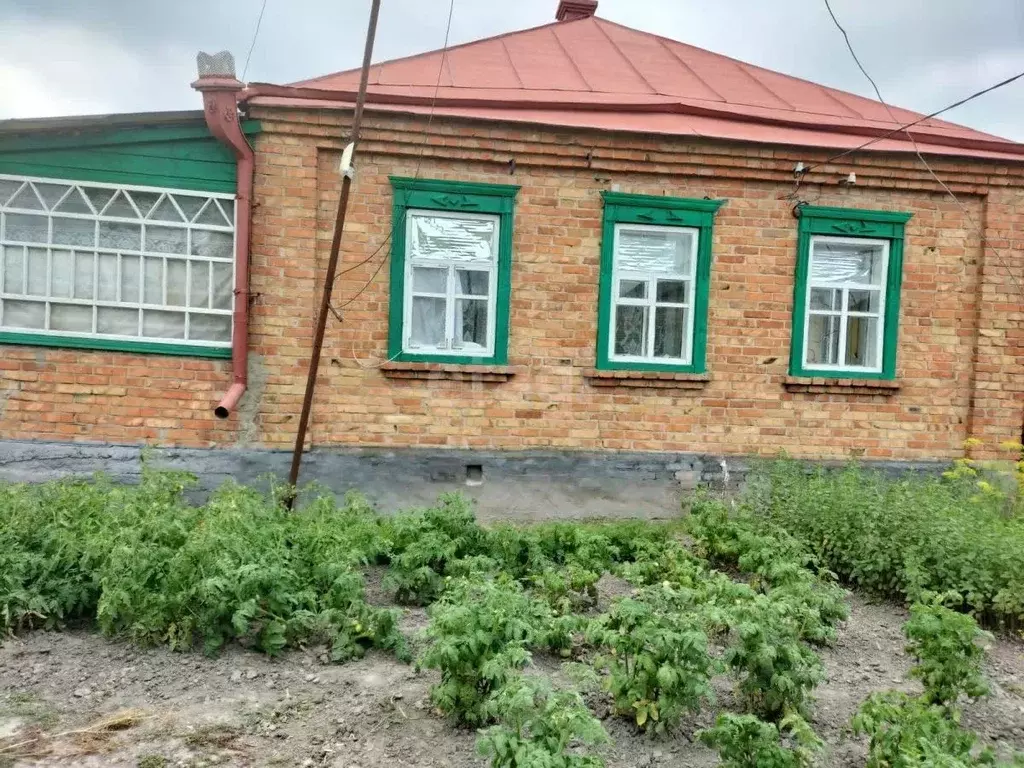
574	10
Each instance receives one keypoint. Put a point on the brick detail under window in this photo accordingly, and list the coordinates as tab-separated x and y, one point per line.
646	379
449	371
821	385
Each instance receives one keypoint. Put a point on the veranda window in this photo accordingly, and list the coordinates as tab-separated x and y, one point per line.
115	264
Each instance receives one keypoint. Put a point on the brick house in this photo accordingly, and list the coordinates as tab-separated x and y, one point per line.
579	249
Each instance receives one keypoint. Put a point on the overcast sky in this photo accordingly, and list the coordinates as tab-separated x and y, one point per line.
60	57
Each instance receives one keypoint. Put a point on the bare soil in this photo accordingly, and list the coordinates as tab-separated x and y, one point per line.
78	699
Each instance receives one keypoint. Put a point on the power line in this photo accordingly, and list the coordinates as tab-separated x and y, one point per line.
913	142
416	173
255	34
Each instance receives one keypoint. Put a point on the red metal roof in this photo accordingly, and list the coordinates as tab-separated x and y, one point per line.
593	73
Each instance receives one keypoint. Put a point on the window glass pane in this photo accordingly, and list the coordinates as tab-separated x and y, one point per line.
26	199
7	189
153	285
61	274
120	207
846	262
669	331
209	327
74	203
215	245
471	323
24	314
429	280
473	283
823	339
37	272
227	209
107	288
864	301
83	275
452	239
165	239
120	236
165	211
117	321
163	325
630	330
427	322
176	282
661	251
672	291
211	215
144	201
26	228
74	231
99	197
862	341
223	286
14	269
633	289
50	193
200	288
190	205
826	298
130	278
71	317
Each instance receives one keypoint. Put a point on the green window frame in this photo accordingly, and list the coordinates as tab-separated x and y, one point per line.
637	214
842	305
453	200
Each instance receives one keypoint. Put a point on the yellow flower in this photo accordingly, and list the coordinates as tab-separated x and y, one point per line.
973	442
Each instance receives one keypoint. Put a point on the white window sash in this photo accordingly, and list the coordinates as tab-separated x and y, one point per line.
651	280
842	313
451	345
95	251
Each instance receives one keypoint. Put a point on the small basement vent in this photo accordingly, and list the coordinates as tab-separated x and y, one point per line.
474	474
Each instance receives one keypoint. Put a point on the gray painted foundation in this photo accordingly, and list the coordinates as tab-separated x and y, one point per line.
516	485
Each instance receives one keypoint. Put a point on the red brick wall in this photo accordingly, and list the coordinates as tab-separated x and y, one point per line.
954	382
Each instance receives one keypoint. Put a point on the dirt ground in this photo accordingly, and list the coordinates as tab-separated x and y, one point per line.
77	699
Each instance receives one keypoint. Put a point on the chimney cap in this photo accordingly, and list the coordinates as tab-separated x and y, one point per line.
574	10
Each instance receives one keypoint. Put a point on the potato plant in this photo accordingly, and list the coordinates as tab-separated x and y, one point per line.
744	741
480	633
537	727
657	662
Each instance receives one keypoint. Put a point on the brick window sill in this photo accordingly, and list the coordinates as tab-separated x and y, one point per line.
826	386
647	379
449	371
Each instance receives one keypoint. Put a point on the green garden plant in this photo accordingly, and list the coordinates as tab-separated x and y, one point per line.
744	741
537	725
947	647
480	632
776	671
657	662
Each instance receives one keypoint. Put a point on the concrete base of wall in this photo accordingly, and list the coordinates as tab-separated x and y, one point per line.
519	485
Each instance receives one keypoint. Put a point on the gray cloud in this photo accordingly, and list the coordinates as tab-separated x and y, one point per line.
117	55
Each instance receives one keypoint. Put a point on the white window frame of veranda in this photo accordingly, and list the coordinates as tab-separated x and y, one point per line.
209	272
844	313
651	278
452	295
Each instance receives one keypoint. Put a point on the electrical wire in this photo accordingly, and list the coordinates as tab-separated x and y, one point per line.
416	173
255	34
917	150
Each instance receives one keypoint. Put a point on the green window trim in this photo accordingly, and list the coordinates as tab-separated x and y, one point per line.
849	223
621	208
451	197
114	345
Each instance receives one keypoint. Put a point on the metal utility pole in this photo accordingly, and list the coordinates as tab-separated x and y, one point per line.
332	262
